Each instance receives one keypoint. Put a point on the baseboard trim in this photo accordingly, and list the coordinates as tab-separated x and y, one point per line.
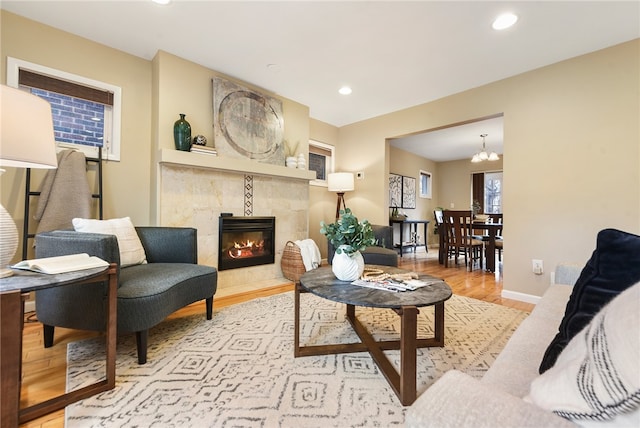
522	297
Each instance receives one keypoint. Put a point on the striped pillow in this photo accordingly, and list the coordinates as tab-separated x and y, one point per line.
597	376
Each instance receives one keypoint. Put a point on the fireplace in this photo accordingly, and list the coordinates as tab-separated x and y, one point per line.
246	241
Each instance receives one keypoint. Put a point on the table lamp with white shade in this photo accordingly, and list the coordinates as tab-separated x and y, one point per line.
340	182
26	141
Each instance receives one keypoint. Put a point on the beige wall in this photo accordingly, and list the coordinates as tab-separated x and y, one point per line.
454	181
322	203
408	164
571	164
127	187
181	86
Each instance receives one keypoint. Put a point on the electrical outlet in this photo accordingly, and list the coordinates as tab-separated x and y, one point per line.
538	268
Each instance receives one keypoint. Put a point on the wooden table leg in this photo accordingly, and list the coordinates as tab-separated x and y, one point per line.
11	318
403	382
296	323
438	324
61	401
490	256
408	333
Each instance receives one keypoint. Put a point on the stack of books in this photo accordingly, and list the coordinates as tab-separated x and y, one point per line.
204	149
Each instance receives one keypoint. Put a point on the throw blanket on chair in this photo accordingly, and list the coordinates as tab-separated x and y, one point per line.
64	193
310	253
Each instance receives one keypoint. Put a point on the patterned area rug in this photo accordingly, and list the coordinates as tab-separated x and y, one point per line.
238	369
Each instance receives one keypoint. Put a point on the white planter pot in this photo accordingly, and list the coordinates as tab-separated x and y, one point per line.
302	162
347	268
291	162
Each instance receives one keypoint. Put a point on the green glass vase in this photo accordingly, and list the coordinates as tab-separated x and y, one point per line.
182	134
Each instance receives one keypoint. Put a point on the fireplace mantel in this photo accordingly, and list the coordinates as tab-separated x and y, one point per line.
246	166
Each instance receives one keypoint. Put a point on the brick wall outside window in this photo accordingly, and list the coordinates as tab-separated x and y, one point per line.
73	119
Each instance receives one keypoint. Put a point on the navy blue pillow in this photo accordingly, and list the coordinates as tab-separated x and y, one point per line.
614	266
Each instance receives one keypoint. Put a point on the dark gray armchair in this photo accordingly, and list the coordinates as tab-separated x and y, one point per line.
382	253
147	293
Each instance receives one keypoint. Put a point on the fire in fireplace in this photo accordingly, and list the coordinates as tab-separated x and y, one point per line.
246	241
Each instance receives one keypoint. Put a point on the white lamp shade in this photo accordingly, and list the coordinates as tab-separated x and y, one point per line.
340	182
26	130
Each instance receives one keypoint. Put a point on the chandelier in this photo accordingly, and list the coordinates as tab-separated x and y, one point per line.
483	155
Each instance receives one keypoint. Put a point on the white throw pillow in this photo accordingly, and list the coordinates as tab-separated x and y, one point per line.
131	249
596	378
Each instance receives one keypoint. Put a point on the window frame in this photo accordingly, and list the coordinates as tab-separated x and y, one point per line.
426	193
329	165
487	194
111	147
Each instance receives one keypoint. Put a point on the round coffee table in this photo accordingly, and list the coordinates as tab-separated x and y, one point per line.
323	283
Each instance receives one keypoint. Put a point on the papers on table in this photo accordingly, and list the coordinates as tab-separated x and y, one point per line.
396	286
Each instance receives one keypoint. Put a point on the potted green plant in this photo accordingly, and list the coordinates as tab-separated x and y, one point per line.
349	236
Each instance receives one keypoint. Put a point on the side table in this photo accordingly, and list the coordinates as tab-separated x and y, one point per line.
13	291
413	230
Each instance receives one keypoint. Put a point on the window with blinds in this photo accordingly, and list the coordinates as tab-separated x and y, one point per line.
86	114
321	158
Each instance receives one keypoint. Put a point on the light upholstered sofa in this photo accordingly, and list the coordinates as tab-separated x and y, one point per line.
458	400
583	336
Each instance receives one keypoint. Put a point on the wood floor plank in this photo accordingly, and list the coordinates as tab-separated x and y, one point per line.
45	369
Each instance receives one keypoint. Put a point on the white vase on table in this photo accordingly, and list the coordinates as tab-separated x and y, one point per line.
347	267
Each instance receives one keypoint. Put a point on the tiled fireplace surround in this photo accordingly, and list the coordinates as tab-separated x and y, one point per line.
195	197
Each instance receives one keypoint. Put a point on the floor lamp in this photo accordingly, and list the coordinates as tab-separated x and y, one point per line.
340	182
26	141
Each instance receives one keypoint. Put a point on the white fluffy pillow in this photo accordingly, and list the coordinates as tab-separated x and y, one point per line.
131	249
597	376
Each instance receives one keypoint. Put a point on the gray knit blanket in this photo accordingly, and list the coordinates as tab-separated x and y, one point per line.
64	194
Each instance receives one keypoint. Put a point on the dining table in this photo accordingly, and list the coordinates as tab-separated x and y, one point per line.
489	237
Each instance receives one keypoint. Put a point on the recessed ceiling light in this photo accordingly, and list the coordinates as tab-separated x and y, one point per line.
345	90
504	21
161	1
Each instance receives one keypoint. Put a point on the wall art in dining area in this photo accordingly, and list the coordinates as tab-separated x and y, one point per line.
395	191
408	192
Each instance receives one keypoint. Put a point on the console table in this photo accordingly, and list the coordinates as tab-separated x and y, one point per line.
13	292
413	228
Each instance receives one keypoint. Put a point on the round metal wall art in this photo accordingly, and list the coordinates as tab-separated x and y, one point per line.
250	124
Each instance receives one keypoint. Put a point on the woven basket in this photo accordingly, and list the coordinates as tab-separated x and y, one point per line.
291	264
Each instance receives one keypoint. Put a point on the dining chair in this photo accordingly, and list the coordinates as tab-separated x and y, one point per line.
459	238
499	244
497	218
442	235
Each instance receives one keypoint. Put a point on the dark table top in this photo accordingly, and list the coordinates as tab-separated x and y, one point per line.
487	226
27	281
323	283
397	220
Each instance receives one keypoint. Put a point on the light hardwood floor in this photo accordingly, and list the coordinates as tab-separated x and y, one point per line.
45	369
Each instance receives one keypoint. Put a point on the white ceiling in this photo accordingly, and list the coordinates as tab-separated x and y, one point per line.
456	142
394	54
